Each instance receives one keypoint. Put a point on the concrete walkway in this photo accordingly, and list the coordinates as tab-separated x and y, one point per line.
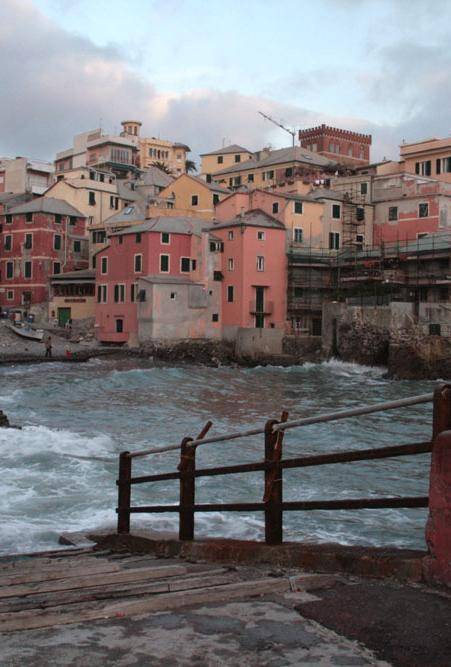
95	607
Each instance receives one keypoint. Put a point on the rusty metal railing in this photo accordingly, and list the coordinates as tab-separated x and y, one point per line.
273	465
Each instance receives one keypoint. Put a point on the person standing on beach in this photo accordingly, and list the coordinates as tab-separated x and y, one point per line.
48	346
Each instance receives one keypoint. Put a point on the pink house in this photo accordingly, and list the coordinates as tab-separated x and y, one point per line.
254	268
169	248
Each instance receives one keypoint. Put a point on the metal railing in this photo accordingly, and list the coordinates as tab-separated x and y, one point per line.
273	465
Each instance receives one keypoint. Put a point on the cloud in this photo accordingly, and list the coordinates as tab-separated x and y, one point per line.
55	83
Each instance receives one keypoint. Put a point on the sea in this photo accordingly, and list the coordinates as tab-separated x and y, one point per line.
59	472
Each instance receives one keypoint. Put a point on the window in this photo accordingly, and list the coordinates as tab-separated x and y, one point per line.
138	237
275	207
237	158
363	188
423	210
423	168
56	268
28	242
57	242
8	242
119	326
173	295
9	270
193	264
29	217
164	263
334	240
77	246
72	220
250	178
298	235
58	218
230	264
298	207
138	263
111	201
8	219
260	263
102	291
336	211
298	292
10	295
359	238
27	270
270	175
104	266
215	199
119	293
220	159
120	240
230	236
194	200
261	236
215	317
393	213
230	294
92	199
288	172
360	213
185	264
237	181
165	238
208	178
217	275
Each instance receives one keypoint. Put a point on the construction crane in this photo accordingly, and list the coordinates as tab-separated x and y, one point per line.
275	122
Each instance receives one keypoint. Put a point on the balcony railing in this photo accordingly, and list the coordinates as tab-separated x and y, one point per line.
263	309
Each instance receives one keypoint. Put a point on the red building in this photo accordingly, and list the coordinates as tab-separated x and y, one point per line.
166	247
349	148
40	238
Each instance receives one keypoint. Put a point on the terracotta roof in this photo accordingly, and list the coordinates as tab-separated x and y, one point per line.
233	148
47	205
254	218
281	156
170	224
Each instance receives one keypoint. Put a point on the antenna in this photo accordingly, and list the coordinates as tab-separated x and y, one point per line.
275	122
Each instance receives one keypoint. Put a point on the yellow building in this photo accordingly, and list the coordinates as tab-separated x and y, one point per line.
152	149
226	157
270	169
72	297
431	157
192	193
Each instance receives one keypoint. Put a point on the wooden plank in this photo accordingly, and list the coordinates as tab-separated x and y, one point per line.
49	573
140	574
55	552
132	590
15	562
166	602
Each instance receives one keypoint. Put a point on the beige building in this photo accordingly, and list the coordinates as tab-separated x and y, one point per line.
192	193
20	175
228	156
72	297
280	168
152	149
430	157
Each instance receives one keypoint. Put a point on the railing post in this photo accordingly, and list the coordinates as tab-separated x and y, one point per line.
273	497
124	493
441	420
187	468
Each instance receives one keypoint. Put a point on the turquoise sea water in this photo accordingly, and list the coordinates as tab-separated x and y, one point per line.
59	472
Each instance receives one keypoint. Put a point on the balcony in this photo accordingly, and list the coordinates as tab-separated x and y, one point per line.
266	309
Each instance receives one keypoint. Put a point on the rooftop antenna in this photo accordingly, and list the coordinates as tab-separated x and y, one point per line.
275	122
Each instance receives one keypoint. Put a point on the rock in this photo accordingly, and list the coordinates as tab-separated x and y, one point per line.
4	421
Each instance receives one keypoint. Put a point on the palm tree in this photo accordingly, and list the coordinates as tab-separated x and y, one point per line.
190	165
162	166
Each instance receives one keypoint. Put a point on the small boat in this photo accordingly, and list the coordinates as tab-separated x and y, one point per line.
25	331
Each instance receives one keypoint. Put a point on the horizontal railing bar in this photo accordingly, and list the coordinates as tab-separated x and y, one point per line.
301	462
343	414
355	412
307	505
358	455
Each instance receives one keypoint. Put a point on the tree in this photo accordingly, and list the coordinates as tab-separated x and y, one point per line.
162	166
190	165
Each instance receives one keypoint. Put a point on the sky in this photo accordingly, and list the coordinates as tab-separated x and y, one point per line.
198	71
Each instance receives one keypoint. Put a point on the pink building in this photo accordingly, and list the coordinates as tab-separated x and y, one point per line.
40	238
254	268
171	249
408	208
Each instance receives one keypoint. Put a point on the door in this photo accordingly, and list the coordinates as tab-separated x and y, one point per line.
259	307
63	316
